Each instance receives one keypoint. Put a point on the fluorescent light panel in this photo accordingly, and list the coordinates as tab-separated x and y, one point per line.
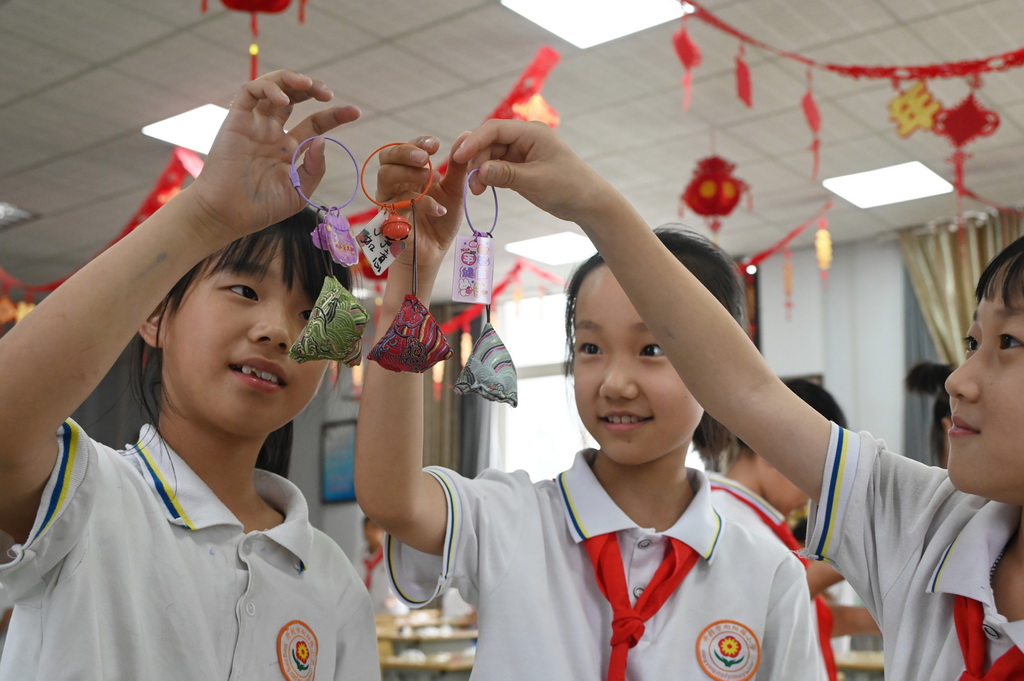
587	23
894	184
554	249
193	129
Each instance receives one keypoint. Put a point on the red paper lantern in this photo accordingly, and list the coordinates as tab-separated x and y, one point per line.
714	191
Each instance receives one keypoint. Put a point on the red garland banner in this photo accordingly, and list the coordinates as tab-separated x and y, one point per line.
912	109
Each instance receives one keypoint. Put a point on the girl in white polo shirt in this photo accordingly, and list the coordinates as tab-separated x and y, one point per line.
618	568
174	559
937	557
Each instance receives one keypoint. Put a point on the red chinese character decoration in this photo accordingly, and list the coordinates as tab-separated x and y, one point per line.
714	191
253	7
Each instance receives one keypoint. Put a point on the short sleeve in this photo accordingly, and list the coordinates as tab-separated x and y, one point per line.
874	513
486	517
64	509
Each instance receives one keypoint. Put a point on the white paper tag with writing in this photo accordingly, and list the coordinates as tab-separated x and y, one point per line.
380	252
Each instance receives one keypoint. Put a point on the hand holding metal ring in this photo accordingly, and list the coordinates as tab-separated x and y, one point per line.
294	174
465	206
395	227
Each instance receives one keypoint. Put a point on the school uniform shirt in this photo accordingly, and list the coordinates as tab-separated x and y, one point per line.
135	570
732	508
514	551
909	543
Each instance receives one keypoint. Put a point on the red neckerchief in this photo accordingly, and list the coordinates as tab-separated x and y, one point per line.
782	531
370	563
628	620
968	614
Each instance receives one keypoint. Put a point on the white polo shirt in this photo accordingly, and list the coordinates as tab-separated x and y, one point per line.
909	543
513	549
135	570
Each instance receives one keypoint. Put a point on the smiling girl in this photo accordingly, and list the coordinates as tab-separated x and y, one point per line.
174	558
624	550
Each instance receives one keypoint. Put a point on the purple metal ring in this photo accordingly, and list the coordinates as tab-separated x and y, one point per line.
294	172
465	207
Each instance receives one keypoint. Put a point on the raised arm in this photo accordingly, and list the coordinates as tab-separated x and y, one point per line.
53	359
390	483
715	358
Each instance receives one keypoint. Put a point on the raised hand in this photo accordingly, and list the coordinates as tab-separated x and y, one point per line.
532	160
403	174
245	184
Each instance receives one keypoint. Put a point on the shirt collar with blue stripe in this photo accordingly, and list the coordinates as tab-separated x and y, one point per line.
589	511
965	567
188	502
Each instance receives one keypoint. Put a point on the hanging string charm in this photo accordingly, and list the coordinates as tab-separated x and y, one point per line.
489	370
414	342
473	279
333	234
337	321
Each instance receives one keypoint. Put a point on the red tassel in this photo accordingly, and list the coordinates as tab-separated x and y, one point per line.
254	49
743	87
204	7
689	55
302	11
813	116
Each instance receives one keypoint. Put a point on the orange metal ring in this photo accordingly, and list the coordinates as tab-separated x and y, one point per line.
401	204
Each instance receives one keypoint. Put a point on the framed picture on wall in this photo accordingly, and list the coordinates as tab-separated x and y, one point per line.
337	458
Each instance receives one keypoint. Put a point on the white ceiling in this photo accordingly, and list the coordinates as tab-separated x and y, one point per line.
79	78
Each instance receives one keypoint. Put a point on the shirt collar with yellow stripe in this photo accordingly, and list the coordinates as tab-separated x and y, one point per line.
188	502
589	511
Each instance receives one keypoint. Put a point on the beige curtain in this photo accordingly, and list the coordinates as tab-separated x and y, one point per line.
442	424
945	263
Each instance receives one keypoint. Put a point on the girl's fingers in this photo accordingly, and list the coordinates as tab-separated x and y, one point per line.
324	121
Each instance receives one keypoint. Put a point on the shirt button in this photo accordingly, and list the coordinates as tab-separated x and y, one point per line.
644	543
250	608
246	547
991	631
637	591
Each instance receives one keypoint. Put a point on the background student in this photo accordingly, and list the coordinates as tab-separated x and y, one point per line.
936	557
174	558
623	548
753	493
929	379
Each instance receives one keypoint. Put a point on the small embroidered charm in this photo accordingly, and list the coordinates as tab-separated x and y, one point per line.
413	343
335	327
296	651
489	370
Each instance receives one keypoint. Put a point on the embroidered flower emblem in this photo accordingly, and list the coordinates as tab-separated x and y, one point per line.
729	646
302	651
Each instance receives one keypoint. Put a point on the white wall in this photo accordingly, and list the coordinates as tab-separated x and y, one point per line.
849	330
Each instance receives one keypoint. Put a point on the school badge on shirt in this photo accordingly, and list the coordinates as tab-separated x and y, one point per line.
296	651
728	651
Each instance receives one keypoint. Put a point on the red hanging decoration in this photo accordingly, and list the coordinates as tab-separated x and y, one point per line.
813	116
962	124
524	102
689	55
743	87
713	192
253	7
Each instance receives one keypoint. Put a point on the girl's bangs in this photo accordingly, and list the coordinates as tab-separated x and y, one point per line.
1004	277
302	263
